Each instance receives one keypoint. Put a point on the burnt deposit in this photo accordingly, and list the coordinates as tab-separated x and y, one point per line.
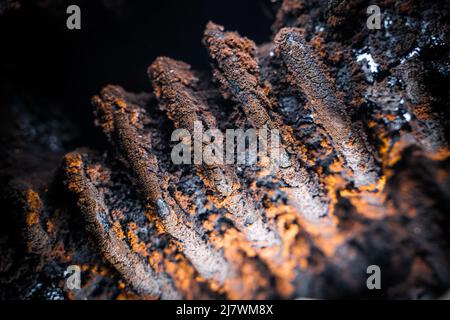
363	120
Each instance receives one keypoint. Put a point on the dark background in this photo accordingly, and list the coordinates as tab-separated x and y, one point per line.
42	60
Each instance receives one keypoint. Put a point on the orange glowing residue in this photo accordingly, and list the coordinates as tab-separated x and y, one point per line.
236	249
34	206
117	228
181	271
50	227
137	245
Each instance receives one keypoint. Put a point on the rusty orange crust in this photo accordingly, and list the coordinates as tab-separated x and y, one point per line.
253	271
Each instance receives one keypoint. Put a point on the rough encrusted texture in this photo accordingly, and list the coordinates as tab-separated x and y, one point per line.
363	177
